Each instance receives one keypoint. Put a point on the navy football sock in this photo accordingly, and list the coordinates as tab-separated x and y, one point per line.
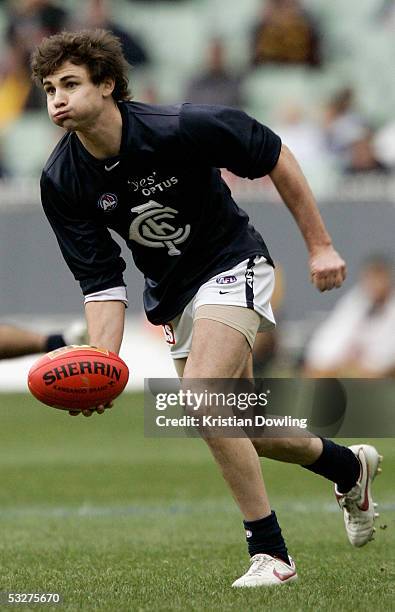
338	464
264	536
54	341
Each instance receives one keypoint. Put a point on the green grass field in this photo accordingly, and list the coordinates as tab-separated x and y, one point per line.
114	521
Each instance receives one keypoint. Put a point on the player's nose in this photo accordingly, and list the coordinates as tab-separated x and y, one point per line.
59	99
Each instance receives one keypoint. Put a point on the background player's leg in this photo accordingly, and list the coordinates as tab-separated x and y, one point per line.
219	351
16	342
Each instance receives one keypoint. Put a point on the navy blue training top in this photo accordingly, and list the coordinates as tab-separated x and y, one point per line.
164	195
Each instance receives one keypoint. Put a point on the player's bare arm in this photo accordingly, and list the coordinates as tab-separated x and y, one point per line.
327	268
105	322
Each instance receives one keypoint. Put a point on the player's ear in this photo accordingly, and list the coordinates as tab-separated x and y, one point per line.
108	86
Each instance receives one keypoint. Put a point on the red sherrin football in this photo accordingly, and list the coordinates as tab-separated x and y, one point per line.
78	377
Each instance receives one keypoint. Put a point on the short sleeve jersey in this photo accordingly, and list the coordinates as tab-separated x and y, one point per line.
164	195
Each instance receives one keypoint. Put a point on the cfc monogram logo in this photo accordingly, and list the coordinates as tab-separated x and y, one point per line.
152	230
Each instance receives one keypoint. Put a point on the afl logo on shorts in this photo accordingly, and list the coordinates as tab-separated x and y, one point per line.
108	202
226	280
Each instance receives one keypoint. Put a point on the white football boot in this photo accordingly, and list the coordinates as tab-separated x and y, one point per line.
357	505
266	570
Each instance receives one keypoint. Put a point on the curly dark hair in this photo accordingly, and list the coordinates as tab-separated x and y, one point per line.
99	50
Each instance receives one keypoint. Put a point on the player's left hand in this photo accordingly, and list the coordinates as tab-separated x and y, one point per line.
327	268
87	412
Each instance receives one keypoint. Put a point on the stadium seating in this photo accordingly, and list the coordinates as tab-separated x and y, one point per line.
358	52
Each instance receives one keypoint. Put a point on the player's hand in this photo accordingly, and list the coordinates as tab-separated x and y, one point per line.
327	268
87	412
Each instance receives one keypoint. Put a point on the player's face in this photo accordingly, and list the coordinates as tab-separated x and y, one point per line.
74	102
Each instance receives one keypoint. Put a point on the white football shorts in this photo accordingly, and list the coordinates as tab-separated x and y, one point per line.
249	284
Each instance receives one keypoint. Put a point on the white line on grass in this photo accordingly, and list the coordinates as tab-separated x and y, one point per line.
196	507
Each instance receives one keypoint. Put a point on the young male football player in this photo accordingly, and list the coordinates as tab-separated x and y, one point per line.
150	173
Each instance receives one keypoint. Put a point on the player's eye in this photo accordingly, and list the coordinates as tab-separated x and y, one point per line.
49	91
71	85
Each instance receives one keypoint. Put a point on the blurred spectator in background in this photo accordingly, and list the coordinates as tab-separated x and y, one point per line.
386	14
97	15
3	166
384	141
302	135
28	22
216	84
357	339
32	20
363	158
343	124
153	1
149	93
15	84
286	34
